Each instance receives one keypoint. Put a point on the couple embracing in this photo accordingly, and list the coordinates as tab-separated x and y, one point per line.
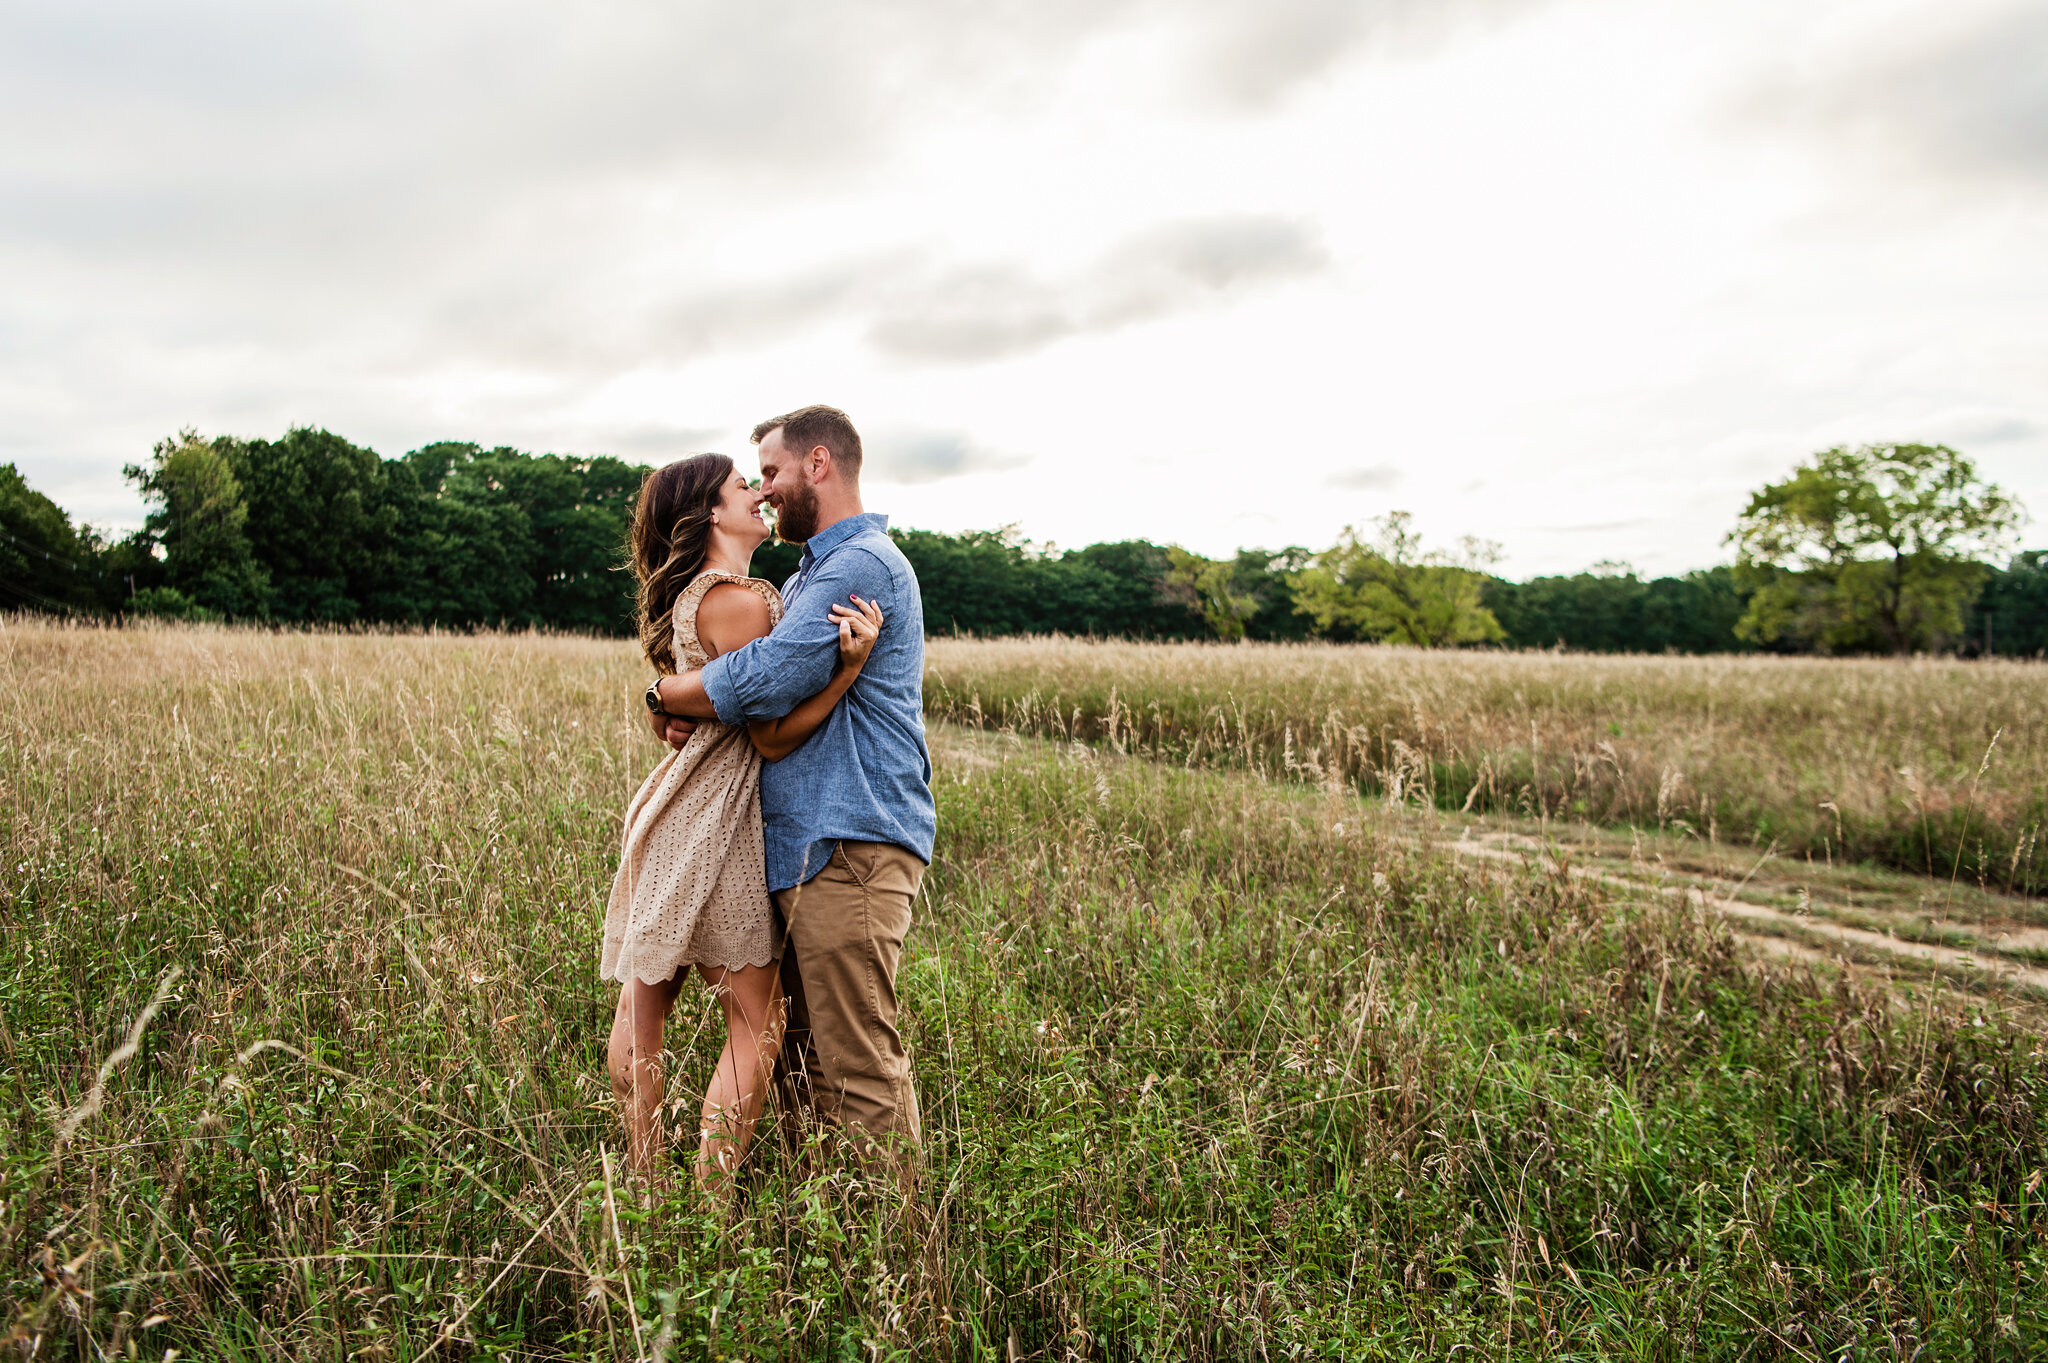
775	852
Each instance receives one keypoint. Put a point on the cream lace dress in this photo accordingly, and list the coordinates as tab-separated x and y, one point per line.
692	884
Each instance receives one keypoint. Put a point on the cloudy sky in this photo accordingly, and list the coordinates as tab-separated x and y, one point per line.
1572	275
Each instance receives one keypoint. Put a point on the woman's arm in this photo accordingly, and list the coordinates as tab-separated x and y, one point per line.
730	616
858	629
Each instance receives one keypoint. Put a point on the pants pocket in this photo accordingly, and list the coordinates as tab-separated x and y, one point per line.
858	858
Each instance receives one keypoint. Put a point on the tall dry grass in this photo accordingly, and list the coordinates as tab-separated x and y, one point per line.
303	1059
1928	765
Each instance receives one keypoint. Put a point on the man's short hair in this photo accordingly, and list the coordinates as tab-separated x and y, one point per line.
809	427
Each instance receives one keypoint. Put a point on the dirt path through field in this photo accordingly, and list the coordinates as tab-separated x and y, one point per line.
1775	927
1859	918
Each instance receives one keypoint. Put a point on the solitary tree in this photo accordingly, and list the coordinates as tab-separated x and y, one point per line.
198	515
1391	589
1874	549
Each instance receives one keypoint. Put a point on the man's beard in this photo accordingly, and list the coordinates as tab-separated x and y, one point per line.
796	520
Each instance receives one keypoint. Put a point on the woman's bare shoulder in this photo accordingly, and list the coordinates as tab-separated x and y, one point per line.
731	615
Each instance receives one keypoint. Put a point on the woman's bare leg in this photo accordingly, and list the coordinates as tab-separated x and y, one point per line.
634	1059
732	1101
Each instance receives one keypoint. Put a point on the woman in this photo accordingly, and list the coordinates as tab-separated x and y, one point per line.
691	889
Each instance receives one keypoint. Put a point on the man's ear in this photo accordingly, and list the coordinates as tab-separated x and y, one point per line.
818	464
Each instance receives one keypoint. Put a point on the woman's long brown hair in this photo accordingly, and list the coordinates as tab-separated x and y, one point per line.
671	535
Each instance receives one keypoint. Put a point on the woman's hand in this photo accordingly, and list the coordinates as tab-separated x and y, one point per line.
858	630
859	625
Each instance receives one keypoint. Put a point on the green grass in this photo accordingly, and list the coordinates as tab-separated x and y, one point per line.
1212	1066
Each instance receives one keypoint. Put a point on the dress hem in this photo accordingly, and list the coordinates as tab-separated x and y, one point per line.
615	974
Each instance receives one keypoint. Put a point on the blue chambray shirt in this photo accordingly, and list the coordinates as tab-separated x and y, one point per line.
865	775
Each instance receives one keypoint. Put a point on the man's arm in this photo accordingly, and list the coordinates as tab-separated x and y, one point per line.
683	694
769	677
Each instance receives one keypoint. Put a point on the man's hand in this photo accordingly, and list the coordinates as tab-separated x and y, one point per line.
671	729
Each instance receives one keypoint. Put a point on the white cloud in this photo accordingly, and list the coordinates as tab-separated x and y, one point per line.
1514	252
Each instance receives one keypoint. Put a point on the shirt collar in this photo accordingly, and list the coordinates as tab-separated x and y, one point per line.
839	532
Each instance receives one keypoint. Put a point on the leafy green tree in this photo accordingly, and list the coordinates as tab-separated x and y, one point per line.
1210	589
499	537
1269	577
1248	596
128	567
465	545
1695	613
574	512
2011	614
994	582
318	520
585	584
981	582
199	516
1392	590
1598	612
1611	610
46	563
1117	589
1873	549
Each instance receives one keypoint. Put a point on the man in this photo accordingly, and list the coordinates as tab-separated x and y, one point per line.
848	817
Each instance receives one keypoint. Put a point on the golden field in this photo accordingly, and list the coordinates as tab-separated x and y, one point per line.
1225	1054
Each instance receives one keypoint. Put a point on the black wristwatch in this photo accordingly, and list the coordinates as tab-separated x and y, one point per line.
654	698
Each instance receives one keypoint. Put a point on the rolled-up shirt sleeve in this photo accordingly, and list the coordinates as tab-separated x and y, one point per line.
771	676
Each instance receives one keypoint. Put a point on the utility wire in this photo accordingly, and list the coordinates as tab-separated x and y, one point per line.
44	553
36	598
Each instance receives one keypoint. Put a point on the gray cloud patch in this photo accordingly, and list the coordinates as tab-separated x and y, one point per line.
1260	52
1969	427
1374	478
911	309
1251	54
994	312
1967	98
931	456
763	311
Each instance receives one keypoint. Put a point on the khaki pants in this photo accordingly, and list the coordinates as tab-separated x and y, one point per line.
843	1062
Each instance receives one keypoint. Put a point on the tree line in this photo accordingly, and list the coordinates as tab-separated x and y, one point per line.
1882	549
313	530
